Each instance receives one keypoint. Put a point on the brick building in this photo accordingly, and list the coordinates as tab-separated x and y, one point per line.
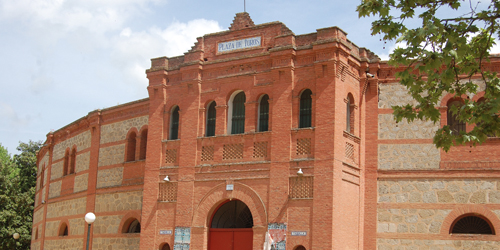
259	135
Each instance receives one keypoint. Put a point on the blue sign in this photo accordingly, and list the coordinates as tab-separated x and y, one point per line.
239	44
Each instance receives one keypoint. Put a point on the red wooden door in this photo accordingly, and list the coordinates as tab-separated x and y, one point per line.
231	239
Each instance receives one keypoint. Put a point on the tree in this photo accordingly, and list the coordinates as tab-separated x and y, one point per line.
443	55
17	191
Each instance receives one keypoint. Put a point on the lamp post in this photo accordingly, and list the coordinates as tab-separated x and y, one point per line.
89	218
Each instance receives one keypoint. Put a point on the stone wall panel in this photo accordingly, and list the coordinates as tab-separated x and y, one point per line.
82	141
67	244
81	183
117	243
111	155
422	221
67	208
57	170
408	156
44	161
109	177
107	224
391	244
82	162
118	202
470	191
38	215
418	129
52	228
77	226
55	189
118	131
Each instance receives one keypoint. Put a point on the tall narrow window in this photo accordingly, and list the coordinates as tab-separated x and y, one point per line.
174	124
144	144
264	113
131	146
238	116
211	119
66	162
350	114
72	161
305	109
455	125
42	174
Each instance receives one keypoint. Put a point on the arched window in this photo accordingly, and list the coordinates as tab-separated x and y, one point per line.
165	246
238	114
305	115
211	119
72	161
42	173
471	224
66	162
144	144
132	140
233	214
263	114
452	119
174	124
350	114
63	230
299	247
133	227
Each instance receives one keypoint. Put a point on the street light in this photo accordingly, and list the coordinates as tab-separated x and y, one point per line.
89	218
15	236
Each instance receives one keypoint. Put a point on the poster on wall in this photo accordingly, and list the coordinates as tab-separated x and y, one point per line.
182	238
277	235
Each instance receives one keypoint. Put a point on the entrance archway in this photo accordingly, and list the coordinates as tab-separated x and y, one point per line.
231	227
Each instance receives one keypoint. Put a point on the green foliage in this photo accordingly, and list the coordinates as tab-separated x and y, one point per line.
17	191
441	56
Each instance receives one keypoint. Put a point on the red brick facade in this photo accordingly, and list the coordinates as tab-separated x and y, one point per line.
124	154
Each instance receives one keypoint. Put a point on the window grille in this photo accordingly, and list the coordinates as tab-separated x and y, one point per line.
168	192
238	116
305	109
455	125
207	153
170	155
301	187
349	151
264	114
260	149
471	225
211	119
232	151
304	146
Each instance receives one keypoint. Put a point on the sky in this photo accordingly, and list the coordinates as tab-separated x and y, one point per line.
61	59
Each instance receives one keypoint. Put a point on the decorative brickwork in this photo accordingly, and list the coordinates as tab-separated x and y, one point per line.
81	183
304	146
111	155
82	141
408	156
475	191
421	221
207	153
128	243
107	224
111	177
55	189
171	156
301	187
118	131
232	151
260	149
82	162
418	129
67	208
118	201
349	151
168	192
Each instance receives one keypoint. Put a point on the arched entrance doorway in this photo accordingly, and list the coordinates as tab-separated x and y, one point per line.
231	227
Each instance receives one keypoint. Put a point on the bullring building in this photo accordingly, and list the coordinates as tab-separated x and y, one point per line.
258	138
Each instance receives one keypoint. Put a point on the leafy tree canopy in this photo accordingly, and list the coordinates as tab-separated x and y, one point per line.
445	45
17	193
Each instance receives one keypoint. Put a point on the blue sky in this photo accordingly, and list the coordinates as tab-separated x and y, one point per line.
60	59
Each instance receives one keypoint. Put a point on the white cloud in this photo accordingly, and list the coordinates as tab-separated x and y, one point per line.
10	117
